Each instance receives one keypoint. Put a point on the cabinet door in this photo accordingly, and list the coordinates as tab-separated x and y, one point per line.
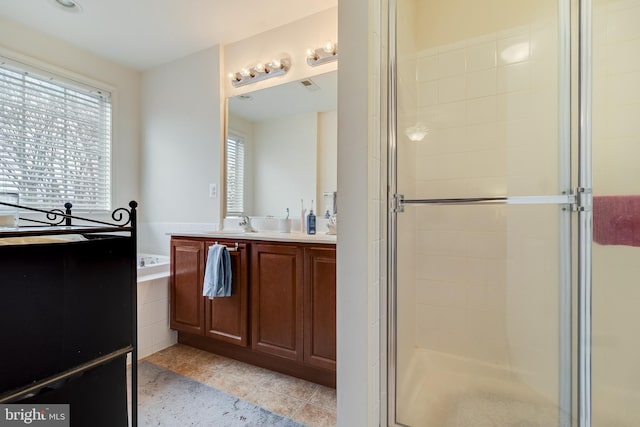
187	302
320	307
226	318
276	299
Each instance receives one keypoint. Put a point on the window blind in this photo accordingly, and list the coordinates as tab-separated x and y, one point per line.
55	140
235	175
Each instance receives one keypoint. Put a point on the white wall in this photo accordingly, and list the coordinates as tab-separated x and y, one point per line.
359	241
181	134
40	50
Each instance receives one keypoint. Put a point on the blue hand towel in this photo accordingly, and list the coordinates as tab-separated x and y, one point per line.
217	274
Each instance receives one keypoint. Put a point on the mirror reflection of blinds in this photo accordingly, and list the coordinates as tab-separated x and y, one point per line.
55	140
235	175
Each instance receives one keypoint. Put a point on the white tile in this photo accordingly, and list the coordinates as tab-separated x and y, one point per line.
624	89
451	47
482	245
450	140
145	338
427	68
441	268
427	93
452	63
432	317
544	44
153	290
619	59
481	83
623	121
481	110
429	168
487	218
427	242
152	312
452	89
432	51
433	293
442	116
489	186
544	75
146	315
474	271
488	163
143	290
514	106
481	56
623	24
485	136
513	50
514	78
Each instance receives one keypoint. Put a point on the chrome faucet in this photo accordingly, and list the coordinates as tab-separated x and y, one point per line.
245	223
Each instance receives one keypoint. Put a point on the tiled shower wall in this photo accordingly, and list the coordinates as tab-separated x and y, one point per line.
490	106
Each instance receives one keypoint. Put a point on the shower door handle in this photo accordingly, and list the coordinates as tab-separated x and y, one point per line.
565	199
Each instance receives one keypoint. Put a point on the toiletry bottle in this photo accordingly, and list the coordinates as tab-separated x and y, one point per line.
311	221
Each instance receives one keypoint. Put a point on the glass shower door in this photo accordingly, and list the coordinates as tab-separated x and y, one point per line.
616	214
481	171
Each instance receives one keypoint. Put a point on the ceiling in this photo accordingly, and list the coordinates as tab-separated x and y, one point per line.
142	34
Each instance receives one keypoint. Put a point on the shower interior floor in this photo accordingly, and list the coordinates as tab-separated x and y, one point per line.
449	394
303	401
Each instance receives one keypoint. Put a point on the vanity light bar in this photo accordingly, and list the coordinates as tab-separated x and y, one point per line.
322	55
259	72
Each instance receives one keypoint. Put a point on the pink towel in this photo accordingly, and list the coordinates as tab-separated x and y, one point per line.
616	220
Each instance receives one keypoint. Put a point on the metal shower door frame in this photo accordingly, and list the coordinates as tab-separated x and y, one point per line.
577	199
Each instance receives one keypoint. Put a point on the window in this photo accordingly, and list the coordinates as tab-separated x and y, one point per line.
55	140
235	175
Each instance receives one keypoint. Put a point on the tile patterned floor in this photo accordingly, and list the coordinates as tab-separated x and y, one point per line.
308	403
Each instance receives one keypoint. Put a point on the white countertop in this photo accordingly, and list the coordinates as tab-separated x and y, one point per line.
294	236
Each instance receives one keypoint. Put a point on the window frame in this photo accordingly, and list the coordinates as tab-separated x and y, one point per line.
81	84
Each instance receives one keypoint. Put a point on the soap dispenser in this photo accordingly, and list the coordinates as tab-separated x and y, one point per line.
311	221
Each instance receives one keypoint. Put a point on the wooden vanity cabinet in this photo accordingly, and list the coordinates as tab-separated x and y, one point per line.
320	307
223	318
186	303
282	312
277	299
226	318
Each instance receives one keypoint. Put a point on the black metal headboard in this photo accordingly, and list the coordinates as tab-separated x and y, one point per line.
62	221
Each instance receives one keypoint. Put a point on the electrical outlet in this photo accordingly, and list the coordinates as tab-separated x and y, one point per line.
213	190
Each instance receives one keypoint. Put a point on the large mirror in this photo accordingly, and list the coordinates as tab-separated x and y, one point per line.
282	148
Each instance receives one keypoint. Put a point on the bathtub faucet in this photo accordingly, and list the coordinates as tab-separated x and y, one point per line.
245	223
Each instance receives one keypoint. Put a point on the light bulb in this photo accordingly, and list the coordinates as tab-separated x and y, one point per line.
276	64
245	72
329	47
260	68
311	53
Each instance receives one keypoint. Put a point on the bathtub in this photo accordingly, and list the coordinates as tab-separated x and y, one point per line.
152	267
153	304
